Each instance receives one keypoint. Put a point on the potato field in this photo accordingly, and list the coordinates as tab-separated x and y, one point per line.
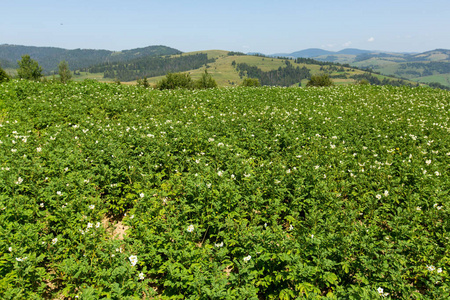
120	192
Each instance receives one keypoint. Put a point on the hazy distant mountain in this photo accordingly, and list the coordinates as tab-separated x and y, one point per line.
353	51
316	52
350	55
256	53
312	52
49	57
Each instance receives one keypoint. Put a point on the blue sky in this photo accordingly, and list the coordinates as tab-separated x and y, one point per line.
269	27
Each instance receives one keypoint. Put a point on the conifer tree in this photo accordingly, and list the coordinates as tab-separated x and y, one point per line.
3	75
64	72
29	68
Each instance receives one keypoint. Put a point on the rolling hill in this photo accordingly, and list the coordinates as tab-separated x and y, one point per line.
231	68
49	57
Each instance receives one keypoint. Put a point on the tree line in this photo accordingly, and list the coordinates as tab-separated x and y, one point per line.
428	69
286	76
310	61
183	81
150	66
31	70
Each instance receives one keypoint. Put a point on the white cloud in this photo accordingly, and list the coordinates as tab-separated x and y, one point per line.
371	39
347	44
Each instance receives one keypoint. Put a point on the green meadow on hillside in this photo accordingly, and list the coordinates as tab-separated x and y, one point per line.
120	192
443	79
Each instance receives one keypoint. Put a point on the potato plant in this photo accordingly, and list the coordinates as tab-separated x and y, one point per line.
121	192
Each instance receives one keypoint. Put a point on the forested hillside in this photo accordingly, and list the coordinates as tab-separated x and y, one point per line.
50	57
151	66
286	76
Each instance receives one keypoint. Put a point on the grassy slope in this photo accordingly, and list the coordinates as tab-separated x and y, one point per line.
443	79
375	62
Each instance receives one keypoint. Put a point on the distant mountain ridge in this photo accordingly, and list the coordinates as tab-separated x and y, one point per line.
318	53
315	52
49	57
